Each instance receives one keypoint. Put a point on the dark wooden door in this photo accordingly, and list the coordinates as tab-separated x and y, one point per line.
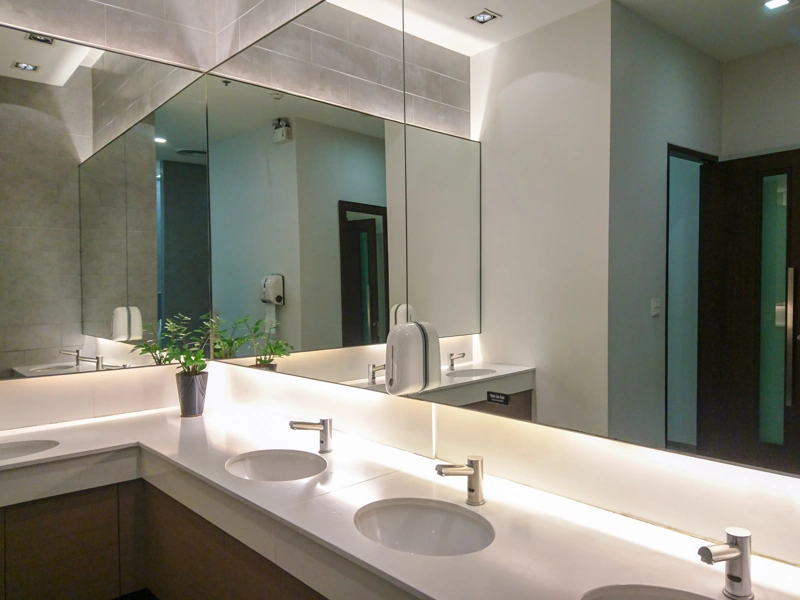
747	334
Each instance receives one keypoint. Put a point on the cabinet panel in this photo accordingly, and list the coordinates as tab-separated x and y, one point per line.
63	547
184	552
132	549
248	575
2	555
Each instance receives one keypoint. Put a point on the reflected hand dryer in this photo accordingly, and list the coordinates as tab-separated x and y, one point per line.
272	290
412	359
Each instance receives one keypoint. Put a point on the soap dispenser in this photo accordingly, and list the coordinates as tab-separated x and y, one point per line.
412	359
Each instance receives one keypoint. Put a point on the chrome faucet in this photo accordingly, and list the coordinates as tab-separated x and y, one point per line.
736	556
325	428
75	353
473	471
452	358
373	370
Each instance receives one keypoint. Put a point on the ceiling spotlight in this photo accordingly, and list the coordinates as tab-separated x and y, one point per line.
26	66
773	4
485	16
42	39
160	140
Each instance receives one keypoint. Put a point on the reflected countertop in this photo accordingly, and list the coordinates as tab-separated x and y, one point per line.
545	547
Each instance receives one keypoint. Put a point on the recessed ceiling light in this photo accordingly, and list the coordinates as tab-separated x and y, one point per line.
160	140
42	39
26	66
773	4
485	16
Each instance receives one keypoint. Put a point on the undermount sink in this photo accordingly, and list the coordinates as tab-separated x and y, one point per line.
19	449
640	592
276	465
64	367
471	373
426	527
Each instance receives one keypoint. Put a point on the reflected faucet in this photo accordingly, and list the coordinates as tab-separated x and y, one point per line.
473	471
373	370
325	428
99	362
452	358
75	353
736	556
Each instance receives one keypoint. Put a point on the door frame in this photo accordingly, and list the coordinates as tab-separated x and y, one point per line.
702	158
369	209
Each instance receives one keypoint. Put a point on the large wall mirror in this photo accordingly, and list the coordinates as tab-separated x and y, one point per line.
341	153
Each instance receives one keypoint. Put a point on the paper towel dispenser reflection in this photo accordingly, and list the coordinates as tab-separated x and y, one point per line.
413	361
272	290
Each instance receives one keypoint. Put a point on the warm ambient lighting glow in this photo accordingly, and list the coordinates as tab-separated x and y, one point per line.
773	4
160	140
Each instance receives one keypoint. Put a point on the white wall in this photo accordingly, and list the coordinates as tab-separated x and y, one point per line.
662	91
332	164
444	227
760	98
254	228
541	108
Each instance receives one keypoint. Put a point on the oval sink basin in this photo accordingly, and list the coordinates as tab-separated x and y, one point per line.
471	373
54	368
426	527
640	592
19	449
276	465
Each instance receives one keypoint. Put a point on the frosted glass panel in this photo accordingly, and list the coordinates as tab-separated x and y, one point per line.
773	309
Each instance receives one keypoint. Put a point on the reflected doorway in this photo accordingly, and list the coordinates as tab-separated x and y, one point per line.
364	260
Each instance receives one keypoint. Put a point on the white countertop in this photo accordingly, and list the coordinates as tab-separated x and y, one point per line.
546	547
449	383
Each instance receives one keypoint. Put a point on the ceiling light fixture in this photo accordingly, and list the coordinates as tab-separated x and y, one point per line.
485	16
42	39
26	66
160	140
773	4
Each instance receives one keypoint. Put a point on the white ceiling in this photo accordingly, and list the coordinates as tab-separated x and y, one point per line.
56	62
182	122
447	22
724	29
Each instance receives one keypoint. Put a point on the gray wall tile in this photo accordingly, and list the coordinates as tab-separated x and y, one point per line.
265	18
148	36
197	13
455	93
228	11
254	65
326	18
154	8
440	117
376	99
376	36
81	20
227	42
303	78
392	73
422	82
436	58
339	55
291	40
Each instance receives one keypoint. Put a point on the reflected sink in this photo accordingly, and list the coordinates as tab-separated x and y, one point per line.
19	449
67	367
471	373
640	592
276	465
426	527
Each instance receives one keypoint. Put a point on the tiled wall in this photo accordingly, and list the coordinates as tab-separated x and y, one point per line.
338	56
125	89
45	131
177	31
242	22
118	230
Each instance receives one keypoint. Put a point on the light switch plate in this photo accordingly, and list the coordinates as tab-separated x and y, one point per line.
655	308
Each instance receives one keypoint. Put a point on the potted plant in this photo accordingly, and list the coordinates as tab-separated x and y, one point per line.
187	347
227	343
265	348
150	346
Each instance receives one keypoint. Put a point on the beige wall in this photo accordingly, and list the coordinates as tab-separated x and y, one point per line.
45	131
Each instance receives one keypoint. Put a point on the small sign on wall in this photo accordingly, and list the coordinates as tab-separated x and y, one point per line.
498	398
